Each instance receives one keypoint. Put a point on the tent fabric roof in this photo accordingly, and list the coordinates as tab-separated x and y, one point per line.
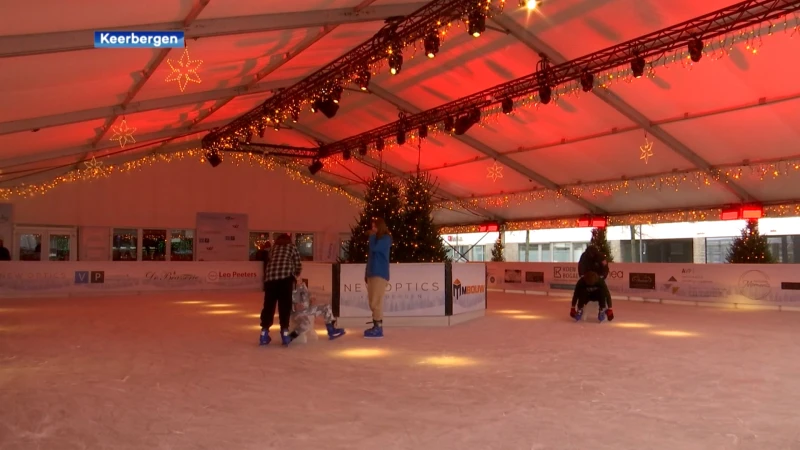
57	93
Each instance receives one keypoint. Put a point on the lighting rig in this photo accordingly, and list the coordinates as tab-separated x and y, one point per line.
322	90
215	157
457	116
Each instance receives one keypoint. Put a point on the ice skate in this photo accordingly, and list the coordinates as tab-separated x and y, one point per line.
264	339
334	332
376	331
286	338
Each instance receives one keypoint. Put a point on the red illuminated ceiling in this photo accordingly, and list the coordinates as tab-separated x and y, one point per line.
59	97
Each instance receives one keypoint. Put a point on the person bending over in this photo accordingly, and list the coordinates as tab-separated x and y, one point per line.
591	288
593	260
304	314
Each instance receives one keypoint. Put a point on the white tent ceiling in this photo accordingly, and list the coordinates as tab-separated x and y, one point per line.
58	95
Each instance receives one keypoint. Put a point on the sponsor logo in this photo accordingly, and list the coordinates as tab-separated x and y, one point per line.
395	287
616	274
642	281
755	285
33	276
565	273
534	277
90	277
170	276
459	290
513	276
232	275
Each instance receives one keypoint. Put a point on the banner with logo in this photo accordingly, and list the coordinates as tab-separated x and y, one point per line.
26	279
319	280
414	290
469	287
222	237
767	284
7	224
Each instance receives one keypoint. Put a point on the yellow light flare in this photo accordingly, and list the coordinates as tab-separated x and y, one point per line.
222	312
448	361
191	302
630	325
220	305
510	311
673	333
362	353
526	317
253	316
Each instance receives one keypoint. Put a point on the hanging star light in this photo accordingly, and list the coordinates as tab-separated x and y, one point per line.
93	164
123	134
647	150
495	171
184	70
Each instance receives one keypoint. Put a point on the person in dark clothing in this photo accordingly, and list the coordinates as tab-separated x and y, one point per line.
263	255
5	255
593	260
283	268
591	288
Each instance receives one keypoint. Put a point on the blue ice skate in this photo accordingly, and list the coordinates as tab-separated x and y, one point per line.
578	315
286	338
376	332
601	316
264	339
334	332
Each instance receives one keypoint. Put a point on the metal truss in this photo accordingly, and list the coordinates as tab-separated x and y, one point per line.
69	41
395	35
650	46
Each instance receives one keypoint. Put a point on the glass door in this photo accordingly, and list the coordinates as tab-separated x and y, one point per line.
45	244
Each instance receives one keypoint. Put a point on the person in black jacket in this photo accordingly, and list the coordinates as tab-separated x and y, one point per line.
5	255
593	260
591	288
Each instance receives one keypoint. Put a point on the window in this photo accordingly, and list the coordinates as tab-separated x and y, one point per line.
660	251
59	247
181	246
305	245
479	253
456	253
30	247
257	239
775	244
125	244
343	244
546	254
562	252
532	251
717	249
154	245
577	250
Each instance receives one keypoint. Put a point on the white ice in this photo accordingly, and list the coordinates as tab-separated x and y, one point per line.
147	372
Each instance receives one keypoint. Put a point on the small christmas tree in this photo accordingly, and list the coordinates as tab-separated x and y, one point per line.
751	247
382	200
600	241
418	239
497	251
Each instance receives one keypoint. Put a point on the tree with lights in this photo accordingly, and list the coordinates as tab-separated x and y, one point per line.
382	199
600	240
497	251
418	240
751	247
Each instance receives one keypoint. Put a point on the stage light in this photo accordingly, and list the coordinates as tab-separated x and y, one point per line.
529	4
401	136
695	50
295	116
315	167
423	131
432	43
379	145
363	79
336	94
315	106
637	66
346	154
477	23
545	94
362	150
395	63
465	122
508	106
328	107
587	81
249	138
449	124
261	129
213	158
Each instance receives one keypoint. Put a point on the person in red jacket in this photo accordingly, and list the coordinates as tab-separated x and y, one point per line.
591	288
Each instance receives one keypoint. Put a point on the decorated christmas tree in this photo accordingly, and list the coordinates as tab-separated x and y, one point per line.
382	200
497	251
418	239
600	241
751	247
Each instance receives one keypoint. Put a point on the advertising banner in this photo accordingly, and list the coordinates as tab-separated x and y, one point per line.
469	287
414	290
757	284
222	237
25	279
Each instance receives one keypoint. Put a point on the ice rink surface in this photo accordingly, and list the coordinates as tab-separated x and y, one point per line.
185	372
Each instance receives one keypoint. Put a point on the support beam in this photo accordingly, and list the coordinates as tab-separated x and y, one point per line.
68	41
391	169
619	105
86	115
486	150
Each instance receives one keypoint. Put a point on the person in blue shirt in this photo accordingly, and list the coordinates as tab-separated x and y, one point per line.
376	275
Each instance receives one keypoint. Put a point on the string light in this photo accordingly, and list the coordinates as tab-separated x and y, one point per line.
96	169
123	134
184	70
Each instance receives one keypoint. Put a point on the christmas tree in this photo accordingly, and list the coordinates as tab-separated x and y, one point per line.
418	239
600	241
751	247
497	251
382	200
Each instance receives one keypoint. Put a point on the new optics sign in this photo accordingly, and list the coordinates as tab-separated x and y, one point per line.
139	39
